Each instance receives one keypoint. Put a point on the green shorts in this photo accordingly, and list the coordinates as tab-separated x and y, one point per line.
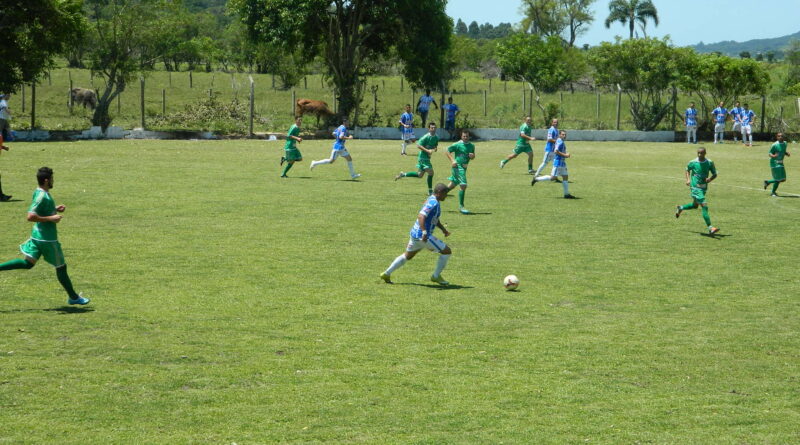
779	173
459	175
519	149
424	165
699	194
50	250
292	154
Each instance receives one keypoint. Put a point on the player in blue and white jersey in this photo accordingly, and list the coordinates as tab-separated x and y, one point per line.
690	120
748	118
407	128
559	165
720	115
451	111
424	105
552	136
339	150
422	237
736	114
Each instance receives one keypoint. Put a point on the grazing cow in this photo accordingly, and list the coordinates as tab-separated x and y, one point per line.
315	107
85	97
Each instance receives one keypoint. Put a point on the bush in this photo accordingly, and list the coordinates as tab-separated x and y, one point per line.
210	115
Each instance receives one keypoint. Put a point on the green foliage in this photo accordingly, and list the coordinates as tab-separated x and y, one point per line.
644	69
744	54
565	18
630	12
210	114
32	32
545	64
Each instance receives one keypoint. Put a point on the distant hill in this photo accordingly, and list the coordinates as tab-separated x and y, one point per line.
731	48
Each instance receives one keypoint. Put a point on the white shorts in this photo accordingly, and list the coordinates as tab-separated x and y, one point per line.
433	244
336	153
559	171
548	157
737	126
691	128
719	128
407	136
746	129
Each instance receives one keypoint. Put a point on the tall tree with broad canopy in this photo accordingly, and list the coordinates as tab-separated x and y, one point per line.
629	12
352	33
566	18
544	63
31	33
645	69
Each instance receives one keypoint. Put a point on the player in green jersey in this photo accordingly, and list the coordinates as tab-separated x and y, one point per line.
292	153
523	145
776	154
427	145
697	179
459	155
43	242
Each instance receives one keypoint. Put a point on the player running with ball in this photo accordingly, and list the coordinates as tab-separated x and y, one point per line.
422	237
427	145
697	179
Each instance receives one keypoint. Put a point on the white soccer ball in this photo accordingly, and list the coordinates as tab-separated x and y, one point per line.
511	282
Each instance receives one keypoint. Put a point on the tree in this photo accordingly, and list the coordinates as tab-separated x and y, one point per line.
629	12
744	54
579	17
461	28
474	30
32	32
792	57
759	57
544	63
353	33
543	17
644	69
120	32
770	56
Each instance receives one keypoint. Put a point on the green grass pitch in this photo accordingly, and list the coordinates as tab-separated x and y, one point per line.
230	305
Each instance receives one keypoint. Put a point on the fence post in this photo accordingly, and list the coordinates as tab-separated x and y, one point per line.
413	95
505	86
401	84
674	105
530	102
23	97
170	78
465	85
294	101
561	105
119	104
305	82
273	81
441	108
33	106
524	95
490	84
252	103
49	79
190	80
210	93
619	102
69	94
780	116
484	103
163	102
213	76
798	105
597	107
141	100
763	112
375	100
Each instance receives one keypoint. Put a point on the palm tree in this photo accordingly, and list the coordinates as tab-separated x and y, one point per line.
631	11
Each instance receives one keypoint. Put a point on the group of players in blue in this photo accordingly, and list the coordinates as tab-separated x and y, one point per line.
743	119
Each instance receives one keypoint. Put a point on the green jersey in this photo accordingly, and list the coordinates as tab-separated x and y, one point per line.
429	142
294	130
778	148
700	172
43	205
526	130
462	150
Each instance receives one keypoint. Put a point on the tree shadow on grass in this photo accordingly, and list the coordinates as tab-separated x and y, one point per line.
436	286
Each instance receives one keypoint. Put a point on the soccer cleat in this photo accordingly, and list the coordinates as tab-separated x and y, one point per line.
766	184
399	175
678	210
284	176
463	211
568	196
502	164
80	300
4	198
533	181
386	278
440	280
355	176
773	195
712	230
531	171
283	159
557	180
312	165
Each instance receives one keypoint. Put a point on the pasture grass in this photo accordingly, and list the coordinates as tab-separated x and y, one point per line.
274	107
230	305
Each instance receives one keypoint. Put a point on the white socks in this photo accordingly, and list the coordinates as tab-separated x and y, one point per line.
544	178
440	264
565	184
404	148
539	170
350	166
323	161
399	261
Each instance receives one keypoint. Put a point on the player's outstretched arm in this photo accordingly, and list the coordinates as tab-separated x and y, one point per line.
441	227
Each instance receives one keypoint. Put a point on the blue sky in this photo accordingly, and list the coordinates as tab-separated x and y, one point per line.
686	21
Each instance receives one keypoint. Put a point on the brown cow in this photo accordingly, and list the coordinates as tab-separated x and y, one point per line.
85	97
315	107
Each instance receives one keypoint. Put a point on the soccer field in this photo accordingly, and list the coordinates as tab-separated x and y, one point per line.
229	305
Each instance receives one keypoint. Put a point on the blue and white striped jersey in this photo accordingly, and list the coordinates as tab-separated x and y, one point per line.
407	119
552	133
340	133
691	116
560	161
736	113
431	209
720	114
748	116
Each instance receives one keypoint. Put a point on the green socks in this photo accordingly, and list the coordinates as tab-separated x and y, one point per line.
286	169
775	185
18	263
504	161
688	206
706	218
411	175
461	197
63	278
430	182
